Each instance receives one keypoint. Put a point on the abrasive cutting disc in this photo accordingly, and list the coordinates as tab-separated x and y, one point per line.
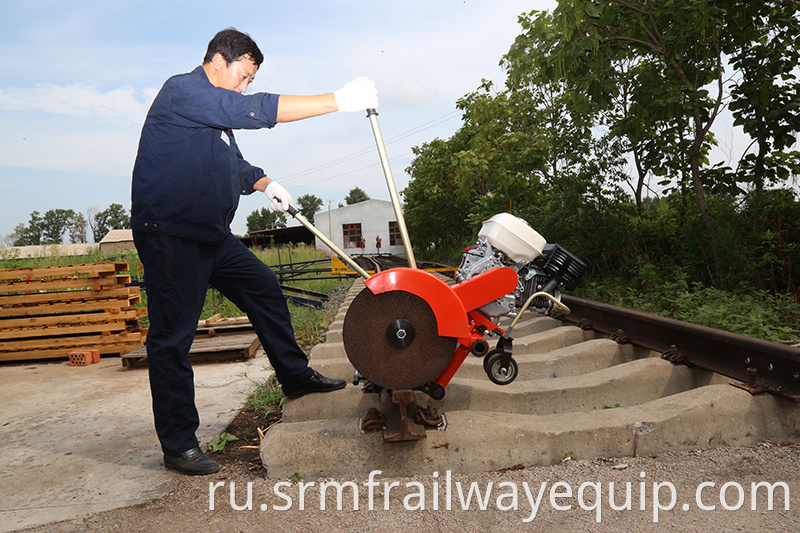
392	339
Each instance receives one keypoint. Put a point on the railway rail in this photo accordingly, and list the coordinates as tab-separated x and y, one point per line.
760	365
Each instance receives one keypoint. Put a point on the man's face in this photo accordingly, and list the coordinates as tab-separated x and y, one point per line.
237	75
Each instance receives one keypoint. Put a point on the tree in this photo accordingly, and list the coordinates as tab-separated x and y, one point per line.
679	46
46	229
30	235
309	205
766	96
355	196
435	208
528	149
265	219
77	228
54	223
114	217
645	79
655	76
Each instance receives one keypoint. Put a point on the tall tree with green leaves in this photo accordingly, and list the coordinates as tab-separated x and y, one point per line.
309	205
527	148
113	217
765	95
655	76
30	234
679	47
265	219
54	223
44	229
356	195
436	206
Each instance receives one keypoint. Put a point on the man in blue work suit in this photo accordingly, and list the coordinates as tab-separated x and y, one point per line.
187	179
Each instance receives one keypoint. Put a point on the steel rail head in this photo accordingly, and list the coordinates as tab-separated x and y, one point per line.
763	365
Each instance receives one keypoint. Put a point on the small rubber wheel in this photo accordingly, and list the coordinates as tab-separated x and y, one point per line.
498	375
486	360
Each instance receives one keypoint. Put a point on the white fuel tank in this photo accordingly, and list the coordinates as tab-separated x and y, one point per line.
514	237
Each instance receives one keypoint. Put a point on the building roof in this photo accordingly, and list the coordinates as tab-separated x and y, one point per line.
355	207
294	234
117	235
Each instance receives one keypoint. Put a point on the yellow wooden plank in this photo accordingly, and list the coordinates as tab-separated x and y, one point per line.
94	341
52	285
61	331
114	305
57	353
92	269
80	318
68	296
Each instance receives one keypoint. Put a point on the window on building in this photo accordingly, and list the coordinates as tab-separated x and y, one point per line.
352	235
395	239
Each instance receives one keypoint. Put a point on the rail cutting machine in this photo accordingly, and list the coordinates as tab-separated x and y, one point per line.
410	330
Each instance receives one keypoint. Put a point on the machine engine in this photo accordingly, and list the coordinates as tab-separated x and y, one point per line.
506	240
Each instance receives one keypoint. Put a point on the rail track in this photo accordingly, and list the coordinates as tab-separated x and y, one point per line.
760	366
600	382
379	263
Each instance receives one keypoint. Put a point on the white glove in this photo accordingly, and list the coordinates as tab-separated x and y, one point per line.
280	199
358	95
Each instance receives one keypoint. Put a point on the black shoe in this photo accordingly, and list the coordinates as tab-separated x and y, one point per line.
317	383
192	462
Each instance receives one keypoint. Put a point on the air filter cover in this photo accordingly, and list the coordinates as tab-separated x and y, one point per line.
514	237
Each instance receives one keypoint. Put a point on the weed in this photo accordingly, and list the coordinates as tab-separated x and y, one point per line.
219	442
308	323
297	476
746	310
267	397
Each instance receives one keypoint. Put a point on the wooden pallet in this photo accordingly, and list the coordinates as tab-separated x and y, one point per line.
207	349
217	325
46	312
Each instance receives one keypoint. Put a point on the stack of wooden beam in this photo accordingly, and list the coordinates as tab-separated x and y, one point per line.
217	339
47	312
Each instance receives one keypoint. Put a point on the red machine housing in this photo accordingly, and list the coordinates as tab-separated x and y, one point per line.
456	307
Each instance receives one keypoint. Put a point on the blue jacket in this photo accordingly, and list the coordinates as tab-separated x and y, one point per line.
189	173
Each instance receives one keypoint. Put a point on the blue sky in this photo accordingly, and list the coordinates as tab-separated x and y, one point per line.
77	78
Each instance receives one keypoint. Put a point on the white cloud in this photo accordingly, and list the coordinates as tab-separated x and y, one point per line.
123	104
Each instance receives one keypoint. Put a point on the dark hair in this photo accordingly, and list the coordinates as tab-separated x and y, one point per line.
233	44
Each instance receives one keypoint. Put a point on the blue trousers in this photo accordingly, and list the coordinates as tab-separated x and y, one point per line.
177	274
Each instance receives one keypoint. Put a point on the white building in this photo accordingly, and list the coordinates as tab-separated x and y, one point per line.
117	240
368	220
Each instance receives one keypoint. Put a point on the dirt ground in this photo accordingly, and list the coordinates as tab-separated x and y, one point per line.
713	490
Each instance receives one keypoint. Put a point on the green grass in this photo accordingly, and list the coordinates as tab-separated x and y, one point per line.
297	254
48	256
747	311
267	397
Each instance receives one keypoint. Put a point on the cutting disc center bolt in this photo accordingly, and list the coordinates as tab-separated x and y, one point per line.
400	333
